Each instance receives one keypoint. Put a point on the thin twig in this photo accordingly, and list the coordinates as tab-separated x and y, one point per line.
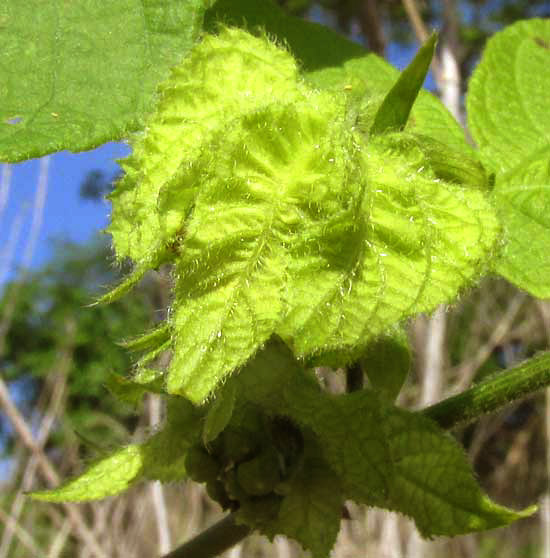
468	368
371	26
25	434
44	430
431	390
420	30
237	551
58	380
30	470
544	310
433	357
60	540
22	534
156	489
5	183
8	252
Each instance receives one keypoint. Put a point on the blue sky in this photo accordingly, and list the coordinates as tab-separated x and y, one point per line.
66	216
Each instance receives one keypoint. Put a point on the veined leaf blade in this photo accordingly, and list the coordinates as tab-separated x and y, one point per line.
508	110
76	75
523	203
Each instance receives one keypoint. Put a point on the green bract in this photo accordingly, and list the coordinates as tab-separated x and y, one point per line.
282	215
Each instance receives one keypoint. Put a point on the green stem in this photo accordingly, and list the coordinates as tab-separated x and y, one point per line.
213	541
493	393
488	396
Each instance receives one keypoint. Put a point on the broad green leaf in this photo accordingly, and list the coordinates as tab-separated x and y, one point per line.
386	362
410	243
523	202
159	458
223	78
509	116
316	46
78	74
402	461
508	109
432	481
394	111
391	458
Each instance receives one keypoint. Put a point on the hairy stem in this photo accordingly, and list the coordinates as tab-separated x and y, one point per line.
488	396
493	393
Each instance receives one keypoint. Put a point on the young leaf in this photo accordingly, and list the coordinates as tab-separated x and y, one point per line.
149	340
127	284
132	390
107	477
432	481
263	190
394	111
411	242
402	461
288	177
161	457
508	109
453	165
78	75
316	46
523	202
223	78
386	362
267	374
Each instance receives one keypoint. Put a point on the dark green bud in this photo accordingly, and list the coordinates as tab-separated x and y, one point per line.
216	491
238	445
260	475
200	465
